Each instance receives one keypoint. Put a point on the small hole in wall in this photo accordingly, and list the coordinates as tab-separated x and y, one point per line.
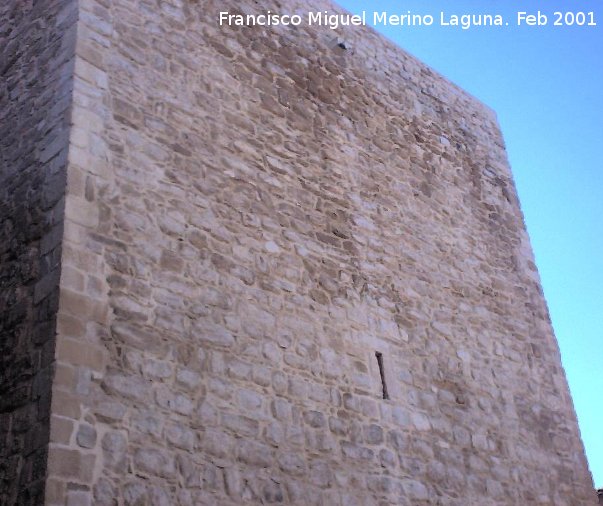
379	356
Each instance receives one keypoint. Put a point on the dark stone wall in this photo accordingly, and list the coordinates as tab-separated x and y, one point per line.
37	47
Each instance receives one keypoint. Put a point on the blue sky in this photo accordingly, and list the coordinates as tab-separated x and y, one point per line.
546	85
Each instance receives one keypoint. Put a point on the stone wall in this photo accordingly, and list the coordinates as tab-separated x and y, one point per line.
36	67
252	215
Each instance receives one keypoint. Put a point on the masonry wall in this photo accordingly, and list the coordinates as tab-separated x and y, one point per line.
251	215
37	41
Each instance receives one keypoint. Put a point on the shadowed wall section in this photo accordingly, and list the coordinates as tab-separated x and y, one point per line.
37	43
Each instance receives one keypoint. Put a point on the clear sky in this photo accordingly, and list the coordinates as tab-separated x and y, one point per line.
546	85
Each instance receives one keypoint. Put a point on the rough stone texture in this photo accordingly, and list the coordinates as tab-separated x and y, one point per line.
252	214
37	44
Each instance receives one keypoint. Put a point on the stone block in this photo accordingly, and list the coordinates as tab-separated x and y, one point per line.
71	464
154	463
86	436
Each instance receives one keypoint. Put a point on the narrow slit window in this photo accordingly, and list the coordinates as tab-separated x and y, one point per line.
379	356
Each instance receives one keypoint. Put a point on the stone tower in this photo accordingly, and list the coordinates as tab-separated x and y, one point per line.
255	265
